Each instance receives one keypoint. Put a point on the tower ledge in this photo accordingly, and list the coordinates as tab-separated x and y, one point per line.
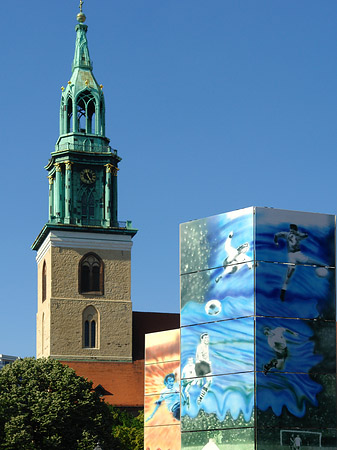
124	228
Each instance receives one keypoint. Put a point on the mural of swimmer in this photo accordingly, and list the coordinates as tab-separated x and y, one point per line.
203	366
293	238
278	343
169	395
235	257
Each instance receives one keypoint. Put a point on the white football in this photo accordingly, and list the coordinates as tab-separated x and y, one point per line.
321	272
213	307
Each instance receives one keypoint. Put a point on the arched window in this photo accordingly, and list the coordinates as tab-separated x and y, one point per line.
90	276
86	108
101	130
44	281
88	205
90	327
84	204
69	112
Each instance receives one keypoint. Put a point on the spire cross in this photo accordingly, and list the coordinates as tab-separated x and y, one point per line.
80	16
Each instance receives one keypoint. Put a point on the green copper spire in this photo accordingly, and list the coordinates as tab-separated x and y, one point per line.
81	58
82	102
83	169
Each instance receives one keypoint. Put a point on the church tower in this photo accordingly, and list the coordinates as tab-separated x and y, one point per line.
84	252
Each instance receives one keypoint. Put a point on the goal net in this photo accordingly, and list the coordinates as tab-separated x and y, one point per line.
308	438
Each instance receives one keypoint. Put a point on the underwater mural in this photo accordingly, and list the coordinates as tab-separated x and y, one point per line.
309	295
257	366
216	402
226	347
204	300
224	241
217	268
295	237
295	346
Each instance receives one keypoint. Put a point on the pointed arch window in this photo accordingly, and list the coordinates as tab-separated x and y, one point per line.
69	112
90	327
90	276
101	117
84	204
86	108
44	281
88	205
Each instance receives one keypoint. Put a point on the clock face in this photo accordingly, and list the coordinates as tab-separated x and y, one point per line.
88	176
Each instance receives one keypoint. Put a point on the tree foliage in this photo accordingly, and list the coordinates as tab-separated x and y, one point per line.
127	430
45	405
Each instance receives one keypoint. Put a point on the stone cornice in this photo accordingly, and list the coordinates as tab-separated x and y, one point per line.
90	241
69	229
84	358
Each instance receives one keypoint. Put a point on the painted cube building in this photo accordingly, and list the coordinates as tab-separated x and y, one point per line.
258	333
162	390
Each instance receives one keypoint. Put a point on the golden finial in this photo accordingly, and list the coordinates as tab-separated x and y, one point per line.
81	17
62	88
69	82
101	86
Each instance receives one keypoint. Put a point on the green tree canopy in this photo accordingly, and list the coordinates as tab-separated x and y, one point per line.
127	430
44	405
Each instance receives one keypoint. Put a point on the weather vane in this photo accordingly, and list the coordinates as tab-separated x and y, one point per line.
81	4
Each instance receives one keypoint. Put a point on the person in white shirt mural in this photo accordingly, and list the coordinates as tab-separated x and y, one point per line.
203	366
297	443
189	379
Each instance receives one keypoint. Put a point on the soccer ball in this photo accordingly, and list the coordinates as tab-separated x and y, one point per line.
321	272
213	307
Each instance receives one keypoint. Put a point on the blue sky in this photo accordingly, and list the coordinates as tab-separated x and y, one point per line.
213	106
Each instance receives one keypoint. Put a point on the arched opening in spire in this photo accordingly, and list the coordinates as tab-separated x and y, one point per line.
102	116
69	115
86	108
